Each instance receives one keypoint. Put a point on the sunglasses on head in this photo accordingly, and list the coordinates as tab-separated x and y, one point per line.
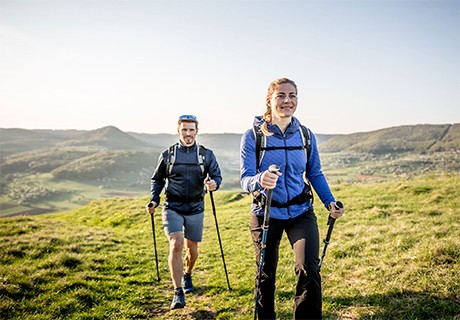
187	117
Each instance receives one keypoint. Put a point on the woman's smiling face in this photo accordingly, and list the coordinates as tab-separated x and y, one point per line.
283	101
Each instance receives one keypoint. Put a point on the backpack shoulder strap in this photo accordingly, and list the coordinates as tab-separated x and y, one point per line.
171	158
306	140
257	137
261	143
201	152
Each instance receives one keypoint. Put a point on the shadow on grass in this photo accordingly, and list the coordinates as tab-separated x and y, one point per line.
194	310
391	305
202	314
210	290
395	305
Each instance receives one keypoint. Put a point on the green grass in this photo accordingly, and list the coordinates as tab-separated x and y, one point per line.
394	255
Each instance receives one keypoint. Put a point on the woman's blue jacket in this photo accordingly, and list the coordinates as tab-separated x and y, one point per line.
292	165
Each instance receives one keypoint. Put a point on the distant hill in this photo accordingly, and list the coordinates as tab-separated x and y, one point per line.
109	137
105	154
214	141
19	140
13	141
41	160
450	140
55	166
160	140
48	150
418	138
103	164
60	151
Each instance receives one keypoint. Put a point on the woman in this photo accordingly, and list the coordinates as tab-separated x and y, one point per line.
285	144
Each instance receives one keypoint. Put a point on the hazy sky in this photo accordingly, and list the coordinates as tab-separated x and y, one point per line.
137	65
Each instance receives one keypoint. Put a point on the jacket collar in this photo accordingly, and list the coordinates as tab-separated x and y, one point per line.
185	148
291	129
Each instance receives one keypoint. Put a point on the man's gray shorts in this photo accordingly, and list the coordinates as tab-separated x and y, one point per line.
191	225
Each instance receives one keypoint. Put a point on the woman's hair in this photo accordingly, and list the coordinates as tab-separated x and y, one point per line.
268	113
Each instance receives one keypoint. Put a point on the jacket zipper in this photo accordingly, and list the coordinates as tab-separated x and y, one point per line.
285	171
187	173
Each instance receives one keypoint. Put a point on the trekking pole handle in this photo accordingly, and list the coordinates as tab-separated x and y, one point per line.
150	205
274	168
208	178
338	205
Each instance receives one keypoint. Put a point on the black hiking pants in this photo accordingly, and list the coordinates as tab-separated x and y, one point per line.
303	235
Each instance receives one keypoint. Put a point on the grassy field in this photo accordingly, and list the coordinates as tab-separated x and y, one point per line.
394	255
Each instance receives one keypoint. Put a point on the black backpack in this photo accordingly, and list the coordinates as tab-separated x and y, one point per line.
201	151
261	144
261	147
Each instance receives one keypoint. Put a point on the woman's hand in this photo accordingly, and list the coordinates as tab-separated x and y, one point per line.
336	212
268	179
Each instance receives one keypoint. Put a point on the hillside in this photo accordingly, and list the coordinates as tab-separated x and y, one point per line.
14	140
110	138
102	164
416	138
419	138
36	165
395	254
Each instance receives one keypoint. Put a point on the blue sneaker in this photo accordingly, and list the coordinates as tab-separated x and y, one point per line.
187	283
178	299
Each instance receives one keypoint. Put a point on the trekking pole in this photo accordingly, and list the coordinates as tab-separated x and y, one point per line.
218	236
154	242
273	169
330	223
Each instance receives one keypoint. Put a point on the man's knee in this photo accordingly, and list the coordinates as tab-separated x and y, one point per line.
192	249
176	242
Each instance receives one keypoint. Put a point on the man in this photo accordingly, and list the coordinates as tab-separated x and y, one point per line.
187	168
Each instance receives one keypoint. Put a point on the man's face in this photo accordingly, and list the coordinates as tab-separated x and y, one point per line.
187	133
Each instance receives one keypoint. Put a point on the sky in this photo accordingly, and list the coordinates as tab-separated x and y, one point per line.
360	65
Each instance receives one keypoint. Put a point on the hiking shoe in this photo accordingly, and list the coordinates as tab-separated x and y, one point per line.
178	299
187	282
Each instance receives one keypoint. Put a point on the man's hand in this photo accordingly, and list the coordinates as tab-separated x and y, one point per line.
150	207
211	185
336	211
